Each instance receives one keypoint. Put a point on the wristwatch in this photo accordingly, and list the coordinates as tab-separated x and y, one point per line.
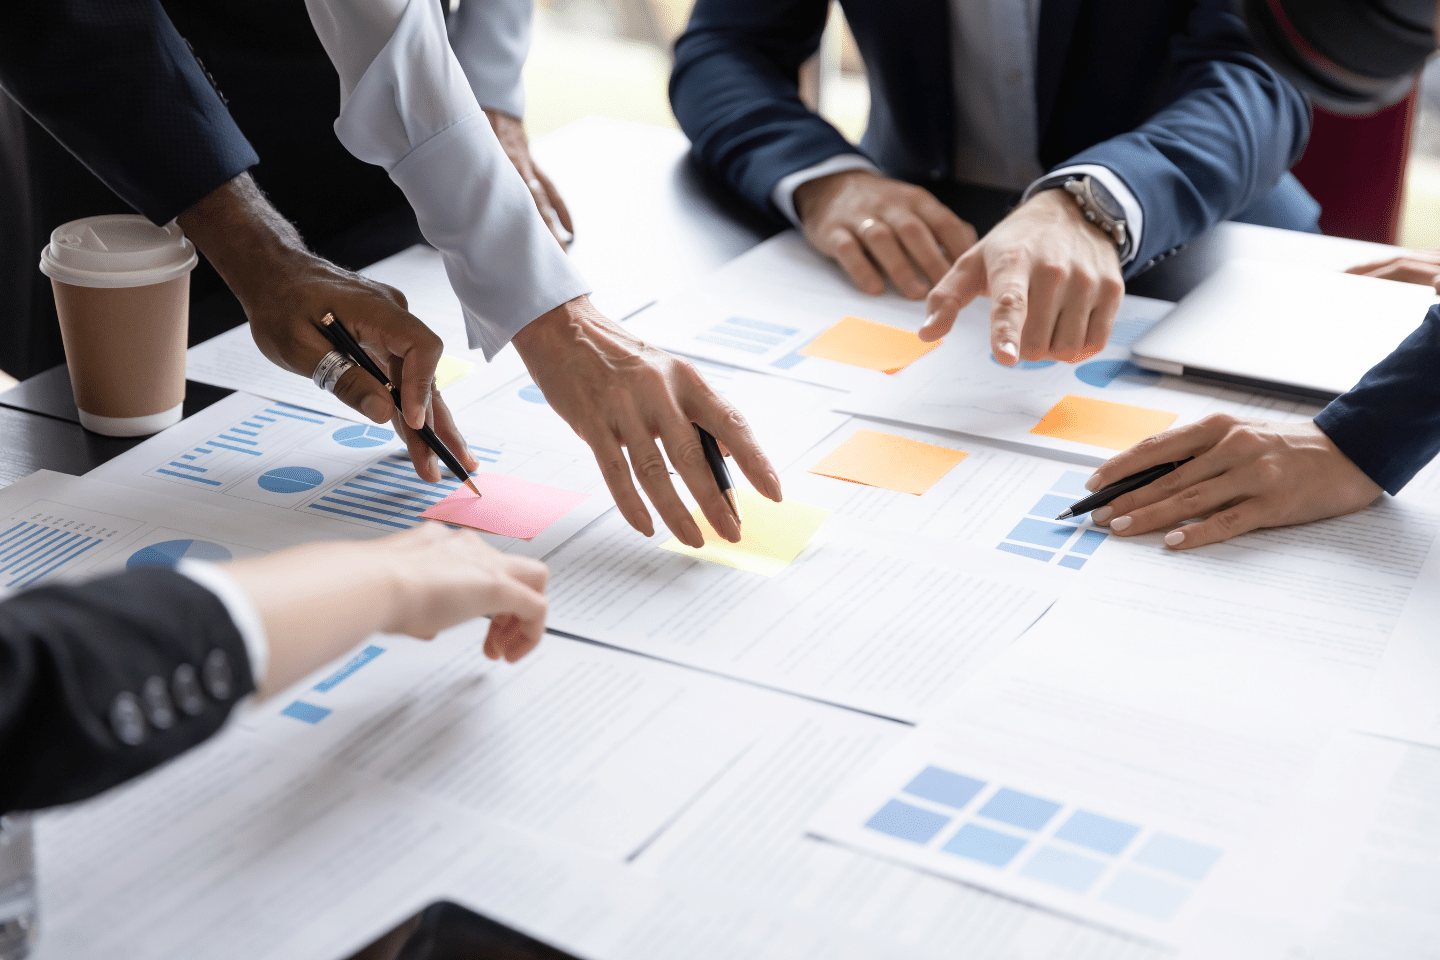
1099	206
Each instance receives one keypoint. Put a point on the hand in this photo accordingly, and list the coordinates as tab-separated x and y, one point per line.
510	131
418	582
1247	474
285	290
1413	266
616	391
862	220
1053	280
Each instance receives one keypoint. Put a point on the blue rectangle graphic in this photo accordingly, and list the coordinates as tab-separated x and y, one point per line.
907	822
1064	869
354	663
942	786
1051	506
1042	533
1097	832
974	842
1045	556
1088	541
1074	563
1019	809
306	712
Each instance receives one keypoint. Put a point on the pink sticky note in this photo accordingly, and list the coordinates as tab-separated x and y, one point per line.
509	506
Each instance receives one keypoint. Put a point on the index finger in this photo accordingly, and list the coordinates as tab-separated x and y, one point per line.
1190	440
1009	303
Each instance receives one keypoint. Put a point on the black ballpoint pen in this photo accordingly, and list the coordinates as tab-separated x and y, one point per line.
716	460
336	333
1121	487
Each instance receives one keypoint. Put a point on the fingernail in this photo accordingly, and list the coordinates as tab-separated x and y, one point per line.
375	409
929	319
775	493
1174	538
1121	523
1008	349
1102	514
1093	483
732	529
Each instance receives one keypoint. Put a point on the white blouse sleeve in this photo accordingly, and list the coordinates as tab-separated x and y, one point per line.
406	105
491	39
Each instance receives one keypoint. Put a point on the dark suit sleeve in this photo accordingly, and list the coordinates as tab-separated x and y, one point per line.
735	91
1228	128
113	82
101	682
1389	424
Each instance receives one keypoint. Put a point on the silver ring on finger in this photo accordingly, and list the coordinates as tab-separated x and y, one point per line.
330	369
865	224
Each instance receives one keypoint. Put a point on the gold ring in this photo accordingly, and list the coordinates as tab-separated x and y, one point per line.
865	224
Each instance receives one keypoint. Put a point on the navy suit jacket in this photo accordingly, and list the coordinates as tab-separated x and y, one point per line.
1389	424
115	83
1166	93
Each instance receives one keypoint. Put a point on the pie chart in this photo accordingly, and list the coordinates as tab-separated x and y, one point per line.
1120	374
170	552
291	479
362	435
531	394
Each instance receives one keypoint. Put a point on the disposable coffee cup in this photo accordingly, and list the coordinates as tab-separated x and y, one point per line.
122	290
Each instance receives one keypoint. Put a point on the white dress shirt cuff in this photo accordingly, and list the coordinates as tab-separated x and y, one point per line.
783	196
1134	215
241	608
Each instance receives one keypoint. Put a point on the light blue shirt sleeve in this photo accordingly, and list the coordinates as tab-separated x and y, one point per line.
406	105
491	39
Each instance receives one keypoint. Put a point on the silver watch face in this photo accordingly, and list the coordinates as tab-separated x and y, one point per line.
1105	200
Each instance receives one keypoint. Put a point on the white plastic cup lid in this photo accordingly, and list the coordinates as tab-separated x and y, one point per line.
117	250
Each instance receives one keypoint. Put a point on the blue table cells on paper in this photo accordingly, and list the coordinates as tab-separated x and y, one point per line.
1051	505
360	436
1180	857
1019	809
1025	364
291	479
1097	832
1061	868
171	552
1146	895
351	665
1120	374
531	394
907	822
1042	533
1072	563
1088	541
1044	556
974	842
942	786
1072	483
306	712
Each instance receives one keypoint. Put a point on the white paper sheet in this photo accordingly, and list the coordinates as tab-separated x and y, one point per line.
761	308
961	387
232	359
55	527
1102	767
1403	700
279	463
1330	590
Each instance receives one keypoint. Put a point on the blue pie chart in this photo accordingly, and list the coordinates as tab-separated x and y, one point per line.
1120	374
531	394
362	435
291	479
171	552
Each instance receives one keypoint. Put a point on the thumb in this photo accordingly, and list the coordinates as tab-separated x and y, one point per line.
961	284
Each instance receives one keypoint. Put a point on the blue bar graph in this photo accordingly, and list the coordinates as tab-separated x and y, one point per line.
388	493
31	551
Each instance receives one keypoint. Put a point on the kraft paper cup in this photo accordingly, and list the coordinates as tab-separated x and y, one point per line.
122	291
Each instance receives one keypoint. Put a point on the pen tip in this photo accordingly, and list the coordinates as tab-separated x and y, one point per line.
473	489
1065	516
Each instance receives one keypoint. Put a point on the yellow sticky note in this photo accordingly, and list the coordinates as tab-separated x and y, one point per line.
1101	422
450	369
771	535
885	460
864	343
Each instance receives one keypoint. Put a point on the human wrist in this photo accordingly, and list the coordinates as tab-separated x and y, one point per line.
813	195
559	327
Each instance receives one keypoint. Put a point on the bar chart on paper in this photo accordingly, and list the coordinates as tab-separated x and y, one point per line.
1093	863
49	538
1039	536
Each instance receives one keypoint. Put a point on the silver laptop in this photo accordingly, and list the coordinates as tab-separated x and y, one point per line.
1297	330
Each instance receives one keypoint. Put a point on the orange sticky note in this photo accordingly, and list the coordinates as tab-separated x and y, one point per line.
509	506
1101	422
885	460
863	343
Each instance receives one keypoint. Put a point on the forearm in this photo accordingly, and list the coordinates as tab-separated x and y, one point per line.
243	236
